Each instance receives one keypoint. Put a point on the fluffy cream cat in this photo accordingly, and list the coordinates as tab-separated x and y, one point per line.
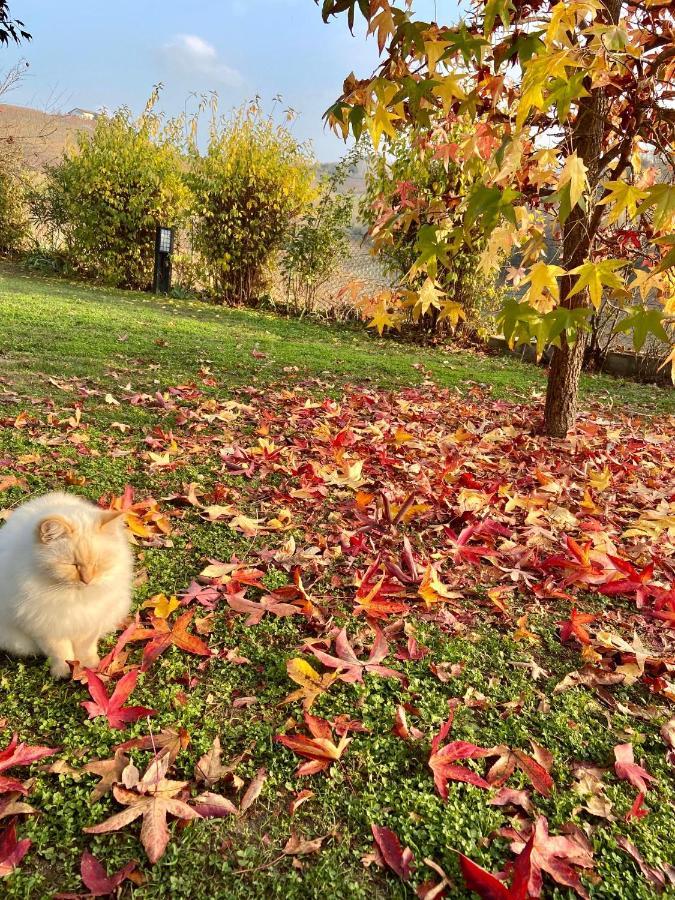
65	579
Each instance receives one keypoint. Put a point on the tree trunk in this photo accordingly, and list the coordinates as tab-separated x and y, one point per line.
586	137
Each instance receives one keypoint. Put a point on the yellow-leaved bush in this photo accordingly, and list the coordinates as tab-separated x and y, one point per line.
107	195
251	181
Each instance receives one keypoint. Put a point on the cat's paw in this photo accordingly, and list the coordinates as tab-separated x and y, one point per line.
59	668
90	660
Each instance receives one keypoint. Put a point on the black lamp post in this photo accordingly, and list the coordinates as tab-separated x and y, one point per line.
163	251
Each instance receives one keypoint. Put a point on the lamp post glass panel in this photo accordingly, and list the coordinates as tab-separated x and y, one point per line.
163	251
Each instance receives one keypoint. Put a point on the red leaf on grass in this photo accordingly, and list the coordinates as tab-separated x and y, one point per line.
509	760
398	859
626	767
320	749
256	610
490	887
16	754
11	850
402	729
575	626
349	666
97	880
162	636
442	761
637	810
558	855
112	707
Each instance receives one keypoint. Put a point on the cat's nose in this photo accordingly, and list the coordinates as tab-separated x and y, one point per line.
86	574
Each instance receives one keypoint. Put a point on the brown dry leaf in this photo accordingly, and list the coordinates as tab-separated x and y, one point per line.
210	770
298	846
253	790
110	772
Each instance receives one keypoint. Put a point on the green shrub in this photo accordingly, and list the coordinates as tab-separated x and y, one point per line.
248	186
13	212
408	199
105	199
317	240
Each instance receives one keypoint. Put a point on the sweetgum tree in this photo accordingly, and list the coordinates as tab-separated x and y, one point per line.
570	107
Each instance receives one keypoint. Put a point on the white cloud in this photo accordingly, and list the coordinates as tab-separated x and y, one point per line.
193	55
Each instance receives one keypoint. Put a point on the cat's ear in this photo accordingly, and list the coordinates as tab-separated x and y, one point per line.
52	528
109	516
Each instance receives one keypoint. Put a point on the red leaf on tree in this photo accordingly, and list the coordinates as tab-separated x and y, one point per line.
398	859
626	767
16	754
11	850
489	887
442	761
112	707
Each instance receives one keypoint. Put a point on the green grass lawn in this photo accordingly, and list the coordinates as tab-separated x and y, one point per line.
66	346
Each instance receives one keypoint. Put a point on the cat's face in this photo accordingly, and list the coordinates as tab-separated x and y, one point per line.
71	553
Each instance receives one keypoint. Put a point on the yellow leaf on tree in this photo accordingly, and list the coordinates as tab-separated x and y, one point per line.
434	50
574	172
429	295
595	277
669	359
453	312
382	318
381	123
624	198
448	89
544	290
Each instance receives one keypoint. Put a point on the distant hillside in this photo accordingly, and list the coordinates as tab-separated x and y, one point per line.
42	137
355	181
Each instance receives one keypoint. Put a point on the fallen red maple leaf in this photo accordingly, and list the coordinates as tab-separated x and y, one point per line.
442	761
162	636
16	754
97	880
585	567
634	582
112	707
398	859
509	759
575	626
487	886
349	666
557	855
626	767
256	610
11	850
320	749
637	810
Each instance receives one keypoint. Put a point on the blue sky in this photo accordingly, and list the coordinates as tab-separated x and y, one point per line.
93	53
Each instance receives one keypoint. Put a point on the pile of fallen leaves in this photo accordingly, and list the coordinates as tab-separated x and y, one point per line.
383	509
